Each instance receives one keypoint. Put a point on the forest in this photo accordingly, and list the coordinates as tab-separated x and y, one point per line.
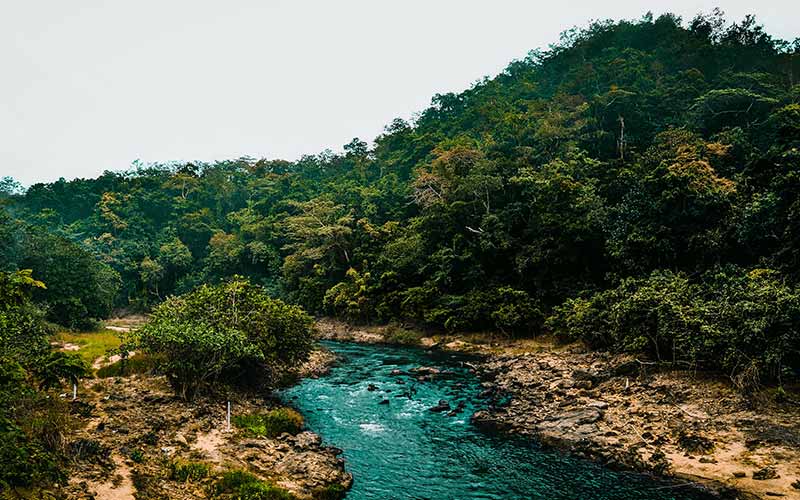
635	186
615	187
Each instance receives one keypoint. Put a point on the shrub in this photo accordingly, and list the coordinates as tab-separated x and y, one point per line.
506	309
330	492
747	323
32	424
231	332
137	456
402	336
188	471
241	485
270	424
89	450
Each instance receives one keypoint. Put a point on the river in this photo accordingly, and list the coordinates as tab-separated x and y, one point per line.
401	450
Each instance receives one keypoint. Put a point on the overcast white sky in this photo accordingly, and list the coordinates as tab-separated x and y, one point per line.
88	86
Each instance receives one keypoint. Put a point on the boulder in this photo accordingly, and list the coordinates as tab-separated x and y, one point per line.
442	406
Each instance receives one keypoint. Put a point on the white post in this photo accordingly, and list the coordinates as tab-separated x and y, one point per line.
228	420
74	391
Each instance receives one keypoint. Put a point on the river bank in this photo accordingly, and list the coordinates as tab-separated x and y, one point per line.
134	439
626	414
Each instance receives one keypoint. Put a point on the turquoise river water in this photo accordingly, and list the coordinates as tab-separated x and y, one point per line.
402	450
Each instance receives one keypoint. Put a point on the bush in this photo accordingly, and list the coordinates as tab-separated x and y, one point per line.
330	492
511	311
747	323
231	332
32	423
270	424
186	472
402	336
241	485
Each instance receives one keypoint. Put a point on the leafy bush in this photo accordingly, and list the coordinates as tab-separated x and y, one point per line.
270	424
26	461
728	318
137	456
511	311
231	332
32	423
58	366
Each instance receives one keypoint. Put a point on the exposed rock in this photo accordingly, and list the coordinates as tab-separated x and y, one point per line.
534	387
765	473
442	406
425	370
159	428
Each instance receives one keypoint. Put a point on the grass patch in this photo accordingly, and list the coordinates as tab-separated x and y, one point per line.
241	485
330	492
186	472
92	344
270	424
138	363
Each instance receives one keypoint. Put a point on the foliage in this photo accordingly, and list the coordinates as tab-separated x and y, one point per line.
330	492
270	424
241	485
398	335
139	363
229	332
32	423
80	289
59	366
92	345
186	471
627	157
728	318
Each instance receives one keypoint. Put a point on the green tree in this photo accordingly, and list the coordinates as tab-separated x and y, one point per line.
231	332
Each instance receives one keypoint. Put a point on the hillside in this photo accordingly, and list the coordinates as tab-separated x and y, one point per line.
647	163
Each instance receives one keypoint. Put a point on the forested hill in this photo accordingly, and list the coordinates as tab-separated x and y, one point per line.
636	185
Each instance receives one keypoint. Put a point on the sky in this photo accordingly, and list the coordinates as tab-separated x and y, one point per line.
90	85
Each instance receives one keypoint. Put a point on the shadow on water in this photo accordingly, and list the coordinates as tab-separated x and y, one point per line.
396	448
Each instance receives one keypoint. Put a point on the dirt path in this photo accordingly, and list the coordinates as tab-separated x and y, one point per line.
133	428
118	487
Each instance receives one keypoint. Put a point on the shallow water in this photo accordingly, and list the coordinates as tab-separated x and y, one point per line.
401	450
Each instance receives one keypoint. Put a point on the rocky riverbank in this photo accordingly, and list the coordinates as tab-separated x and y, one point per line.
132	432
628	414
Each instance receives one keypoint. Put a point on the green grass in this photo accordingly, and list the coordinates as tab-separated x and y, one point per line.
92	344
330	492
270	424
186	472
241	485
138	363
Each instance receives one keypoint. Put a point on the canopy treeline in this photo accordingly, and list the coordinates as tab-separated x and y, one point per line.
629	155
